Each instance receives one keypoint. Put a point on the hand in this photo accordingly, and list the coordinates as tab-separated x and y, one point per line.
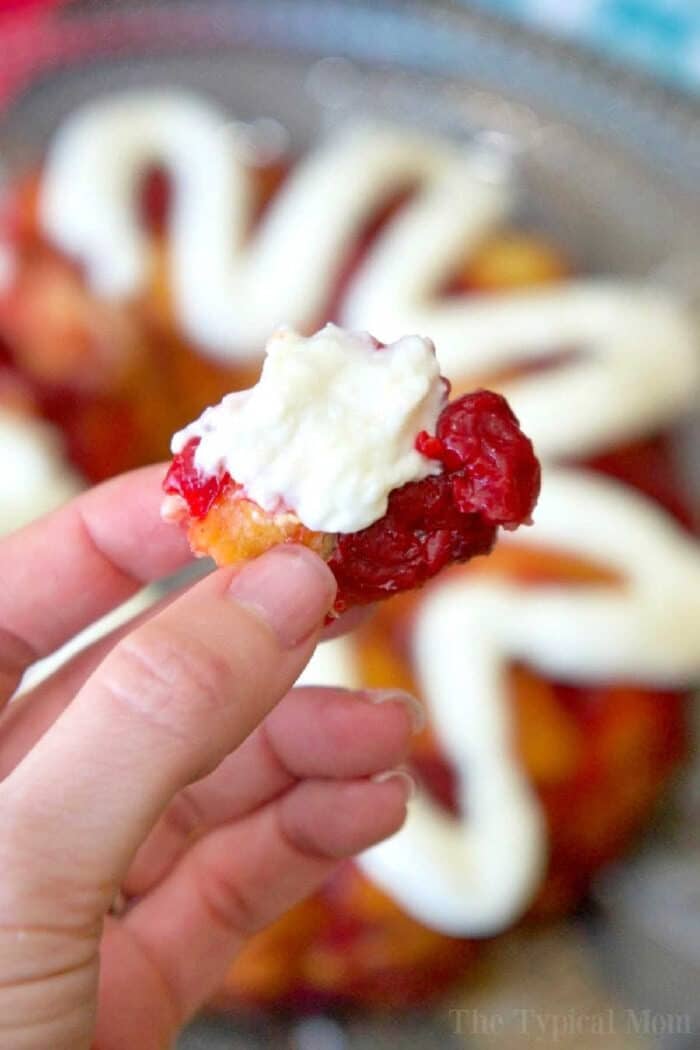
165	766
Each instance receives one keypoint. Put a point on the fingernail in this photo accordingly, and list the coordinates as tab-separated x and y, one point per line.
290	589
414	707
403	775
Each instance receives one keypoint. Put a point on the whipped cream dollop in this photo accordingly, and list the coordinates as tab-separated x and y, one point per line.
35	475
330	428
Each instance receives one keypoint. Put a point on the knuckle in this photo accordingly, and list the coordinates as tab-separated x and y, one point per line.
16	654
42	883
167	679
184	817
224	901
48	973
299	828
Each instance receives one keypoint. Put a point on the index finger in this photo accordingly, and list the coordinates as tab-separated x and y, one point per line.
72	566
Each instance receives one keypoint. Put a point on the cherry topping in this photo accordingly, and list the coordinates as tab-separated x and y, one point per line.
494	469
430	446
422	531
186	480
490	478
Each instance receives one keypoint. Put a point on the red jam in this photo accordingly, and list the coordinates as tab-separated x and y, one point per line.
490	478
490	460
422	531
185	480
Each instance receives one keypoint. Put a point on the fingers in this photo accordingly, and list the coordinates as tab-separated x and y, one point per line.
233	882
15	656
165	707
67	569
27	719
313	732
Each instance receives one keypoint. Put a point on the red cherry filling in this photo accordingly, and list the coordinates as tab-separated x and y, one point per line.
490	477
422	531
491	461
186	480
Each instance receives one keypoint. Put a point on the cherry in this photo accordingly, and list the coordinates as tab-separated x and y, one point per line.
185	479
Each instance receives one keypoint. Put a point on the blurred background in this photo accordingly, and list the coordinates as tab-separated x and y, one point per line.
574	288
655	37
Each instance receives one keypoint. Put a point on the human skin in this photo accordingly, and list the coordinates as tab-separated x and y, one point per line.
170	767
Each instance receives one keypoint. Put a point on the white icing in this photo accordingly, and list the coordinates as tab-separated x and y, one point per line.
647	629
229	294
476	874
329	430
471	875
34	475
333	663
636	364
639	363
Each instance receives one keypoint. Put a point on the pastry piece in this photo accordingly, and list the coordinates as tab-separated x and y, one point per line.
350	447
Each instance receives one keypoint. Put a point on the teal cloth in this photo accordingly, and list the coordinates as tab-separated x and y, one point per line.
662	37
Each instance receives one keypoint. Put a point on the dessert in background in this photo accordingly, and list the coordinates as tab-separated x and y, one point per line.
36	476
148	260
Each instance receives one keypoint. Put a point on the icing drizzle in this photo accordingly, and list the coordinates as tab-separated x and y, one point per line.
476	874
638	365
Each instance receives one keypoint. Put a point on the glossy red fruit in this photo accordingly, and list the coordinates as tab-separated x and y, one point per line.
491	477
186	480
501	477
422	531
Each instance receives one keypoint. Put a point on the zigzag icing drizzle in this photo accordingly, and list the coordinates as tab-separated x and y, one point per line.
35	476
637	365
475	875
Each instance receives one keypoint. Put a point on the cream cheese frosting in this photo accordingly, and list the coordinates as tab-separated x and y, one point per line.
330	428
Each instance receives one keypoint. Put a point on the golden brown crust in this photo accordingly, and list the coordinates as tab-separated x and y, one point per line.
235	530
